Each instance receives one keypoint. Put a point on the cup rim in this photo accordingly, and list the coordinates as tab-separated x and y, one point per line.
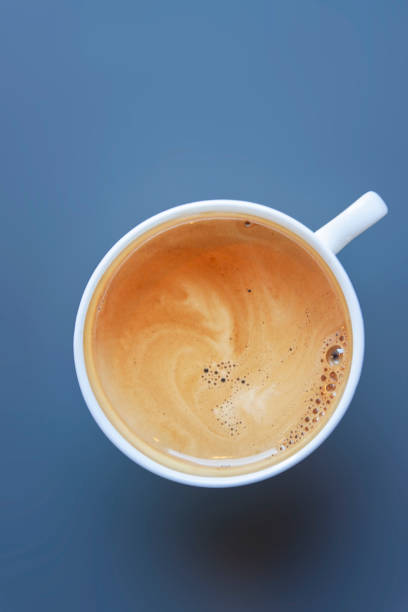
228	206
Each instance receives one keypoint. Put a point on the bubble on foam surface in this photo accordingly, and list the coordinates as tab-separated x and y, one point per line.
335	354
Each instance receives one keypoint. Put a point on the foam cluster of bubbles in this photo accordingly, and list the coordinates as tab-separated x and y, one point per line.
227	417
322	393
217	375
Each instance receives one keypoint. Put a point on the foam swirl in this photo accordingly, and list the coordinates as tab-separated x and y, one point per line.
210	342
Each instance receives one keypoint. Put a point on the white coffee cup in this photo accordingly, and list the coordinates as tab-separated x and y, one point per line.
327	241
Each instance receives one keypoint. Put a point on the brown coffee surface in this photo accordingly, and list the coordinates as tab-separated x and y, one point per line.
218	344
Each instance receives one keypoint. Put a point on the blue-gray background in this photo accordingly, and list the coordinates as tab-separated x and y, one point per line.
113	111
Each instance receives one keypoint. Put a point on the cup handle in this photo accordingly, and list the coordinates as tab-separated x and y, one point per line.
349	224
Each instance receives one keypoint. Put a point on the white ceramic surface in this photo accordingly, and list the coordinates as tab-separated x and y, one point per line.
327	241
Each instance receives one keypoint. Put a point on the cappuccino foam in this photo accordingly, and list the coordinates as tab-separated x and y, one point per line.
218	344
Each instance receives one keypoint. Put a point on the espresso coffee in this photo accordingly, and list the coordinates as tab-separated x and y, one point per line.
218	344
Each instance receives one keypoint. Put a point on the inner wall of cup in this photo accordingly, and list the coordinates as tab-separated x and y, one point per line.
254	459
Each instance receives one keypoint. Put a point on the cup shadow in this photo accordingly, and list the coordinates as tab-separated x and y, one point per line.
267	526
241	532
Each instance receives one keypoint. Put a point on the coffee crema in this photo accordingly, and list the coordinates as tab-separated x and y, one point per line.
218	344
